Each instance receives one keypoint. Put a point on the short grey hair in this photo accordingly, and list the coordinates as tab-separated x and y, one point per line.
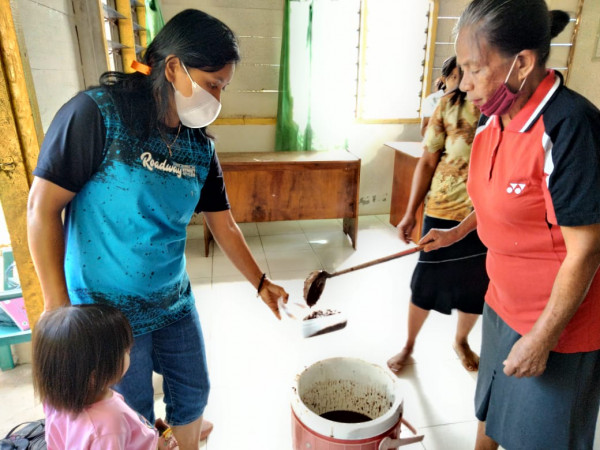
511	26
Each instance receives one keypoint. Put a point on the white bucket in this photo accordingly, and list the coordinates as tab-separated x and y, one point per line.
346	384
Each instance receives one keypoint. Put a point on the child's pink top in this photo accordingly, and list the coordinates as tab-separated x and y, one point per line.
106	425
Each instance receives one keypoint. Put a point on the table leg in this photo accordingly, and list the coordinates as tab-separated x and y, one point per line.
207	238
351	229
6	359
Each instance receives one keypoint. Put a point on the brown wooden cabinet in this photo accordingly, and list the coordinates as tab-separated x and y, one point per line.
270	186
406	156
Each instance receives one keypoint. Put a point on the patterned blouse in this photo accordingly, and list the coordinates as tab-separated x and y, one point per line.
451	130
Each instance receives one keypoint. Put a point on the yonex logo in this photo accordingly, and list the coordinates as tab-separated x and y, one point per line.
517	188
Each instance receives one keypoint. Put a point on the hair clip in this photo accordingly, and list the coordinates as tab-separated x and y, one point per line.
141	68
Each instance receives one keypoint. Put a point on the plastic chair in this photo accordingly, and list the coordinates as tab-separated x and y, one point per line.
10	335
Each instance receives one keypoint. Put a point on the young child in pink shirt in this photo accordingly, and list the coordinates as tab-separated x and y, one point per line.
78	353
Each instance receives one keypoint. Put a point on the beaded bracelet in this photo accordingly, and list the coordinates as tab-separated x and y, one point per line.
260	284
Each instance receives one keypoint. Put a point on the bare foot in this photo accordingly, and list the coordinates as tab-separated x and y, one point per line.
206	429
468	358
396	363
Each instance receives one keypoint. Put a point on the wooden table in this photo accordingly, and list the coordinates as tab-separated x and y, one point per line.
270	186
407	155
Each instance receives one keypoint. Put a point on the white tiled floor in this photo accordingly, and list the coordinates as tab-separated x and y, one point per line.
253	358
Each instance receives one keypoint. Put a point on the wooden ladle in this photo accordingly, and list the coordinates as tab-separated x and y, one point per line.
315	282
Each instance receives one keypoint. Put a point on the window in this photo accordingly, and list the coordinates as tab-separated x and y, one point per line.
353	40
124	31
324	66
561	48
392	59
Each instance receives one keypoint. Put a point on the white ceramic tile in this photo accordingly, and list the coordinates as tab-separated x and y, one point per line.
290	276
195	232
437	393
334	257
320	225
239	424
383	239
289	226
223	266
199	283
194	247
328	239
456	436
296	260
285	243
248	229
198	266
197	247
160	409
233	277
385	218
254	243
18	402
369	222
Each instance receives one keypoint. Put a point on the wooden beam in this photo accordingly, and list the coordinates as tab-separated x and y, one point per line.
246	121
362	52
141	16
89	21
574	41
20	90
430	53
21	134
126	36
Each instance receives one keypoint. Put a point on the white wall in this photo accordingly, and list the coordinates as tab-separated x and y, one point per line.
52	49
585	75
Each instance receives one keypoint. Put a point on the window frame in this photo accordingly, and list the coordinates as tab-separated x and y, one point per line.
426	76
132	37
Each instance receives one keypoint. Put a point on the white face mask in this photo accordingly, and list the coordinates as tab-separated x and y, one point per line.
198	110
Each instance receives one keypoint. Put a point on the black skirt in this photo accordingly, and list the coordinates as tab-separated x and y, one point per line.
452	277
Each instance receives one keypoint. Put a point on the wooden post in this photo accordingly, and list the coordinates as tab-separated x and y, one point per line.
21	134
126	34
141	16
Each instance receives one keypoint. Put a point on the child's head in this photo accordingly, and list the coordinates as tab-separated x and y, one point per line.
78	352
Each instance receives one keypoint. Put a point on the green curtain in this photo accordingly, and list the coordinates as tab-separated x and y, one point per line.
288	133
317	78
154	19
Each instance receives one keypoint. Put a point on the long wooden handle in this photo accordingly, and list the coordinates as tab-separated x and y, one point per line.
410	251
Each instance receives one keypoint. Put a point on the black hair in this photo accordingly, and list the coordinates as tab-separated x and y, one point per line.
78	352
198	39
457	97
447	67
514	25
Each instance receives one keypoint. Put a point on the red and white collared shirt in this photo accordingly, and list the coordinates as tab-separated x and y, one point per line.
526	181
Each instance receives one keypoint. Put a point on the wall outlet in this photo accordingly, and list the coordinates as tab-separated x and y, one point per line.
373	198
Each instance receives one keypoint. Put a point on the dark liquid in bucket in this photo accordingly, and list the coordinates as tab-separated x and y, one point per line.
345	416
